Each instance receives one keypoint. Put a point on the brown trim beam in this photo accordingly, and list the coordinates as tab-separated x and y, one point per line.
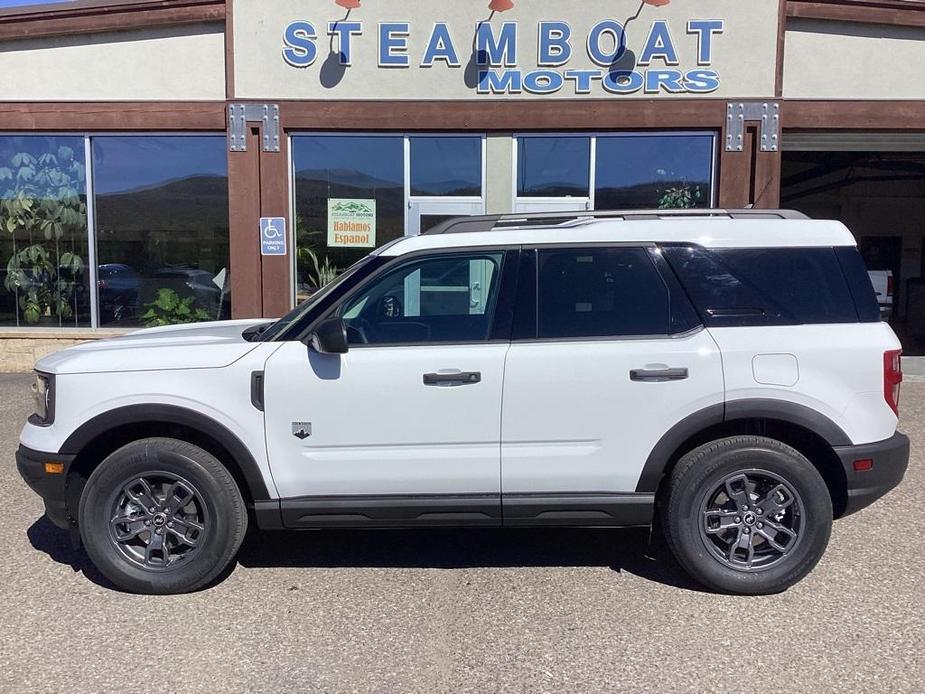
94	16
64	116
853	115
487	116
895	12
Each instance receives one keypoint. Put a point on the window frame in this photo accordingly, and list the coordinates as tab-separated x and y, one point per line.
502	312
525	203
526	311
90	191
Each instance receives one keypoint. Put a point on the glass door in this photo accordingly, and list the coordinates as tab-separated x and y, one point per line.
553	173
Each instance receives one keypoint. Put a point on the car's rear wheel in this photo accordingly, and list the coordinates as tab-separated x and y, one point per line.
161	516
747	514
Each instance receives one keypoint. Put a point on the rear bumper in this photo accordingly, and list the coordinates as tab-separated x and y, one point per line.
890	460
51	487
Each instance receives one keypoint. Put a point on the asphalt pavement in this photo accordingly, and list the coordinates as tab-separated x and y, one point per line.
464	610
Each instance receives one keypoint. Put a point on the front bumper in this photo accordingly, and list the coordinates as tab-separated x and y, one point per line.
890	459
52	487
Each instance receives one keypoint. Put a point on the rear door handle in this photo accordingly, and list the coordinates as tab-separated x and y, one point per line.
453	378
658	375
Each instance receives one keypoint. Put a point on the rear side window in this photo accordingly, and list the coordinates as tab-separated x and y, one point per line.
599	292
765	286
865	299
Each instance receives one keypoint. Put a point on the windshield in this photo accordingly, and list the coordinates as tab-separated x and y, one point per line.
296	314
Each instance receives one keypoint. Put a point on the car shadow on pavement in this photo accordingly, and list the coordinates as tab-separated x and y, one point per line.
629	549
46	537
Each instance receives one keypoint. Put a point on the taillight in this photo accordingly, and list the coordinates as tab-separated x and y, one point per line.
892	377
889	285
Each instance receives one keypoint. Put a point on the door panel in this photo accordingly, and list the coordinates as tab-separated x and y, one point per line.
575	421
376	428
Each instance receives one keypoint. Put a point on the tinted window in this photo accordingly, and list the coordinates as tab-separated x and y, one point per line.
865	300
765	286
553	166
446	166
598	292
439	299
43	232
653	171
162	228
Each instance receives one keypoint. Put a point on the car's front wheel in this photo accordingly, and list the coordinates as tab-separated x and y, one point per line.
161	516
747	514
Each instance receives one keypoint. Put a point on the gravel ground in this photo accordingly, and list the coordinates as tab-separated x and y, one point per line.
466	610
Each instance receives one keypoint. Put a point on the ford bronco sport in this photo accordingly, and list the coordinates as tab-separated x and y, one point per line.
725	372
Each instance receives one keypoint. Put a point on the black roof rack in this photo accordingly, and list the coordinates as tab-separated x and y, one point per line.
499	222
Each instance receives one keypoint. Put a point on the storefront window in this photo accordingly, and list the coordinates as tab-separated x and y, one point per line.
450	166
43	232
653	171
349	199
162	229
553	167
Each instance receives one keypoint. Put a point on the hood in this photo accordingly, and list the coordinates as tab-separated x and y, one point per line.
193	346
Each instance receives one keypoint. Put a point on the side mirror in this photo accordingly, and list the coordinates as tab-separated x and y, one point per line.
330	337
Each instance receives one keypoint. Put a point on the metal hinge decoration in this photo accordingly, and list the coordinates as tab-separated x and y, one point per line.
239	115
739	112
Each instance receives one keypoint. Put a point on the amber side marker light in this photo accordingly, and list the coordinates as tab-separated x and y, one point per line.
54	468
863	465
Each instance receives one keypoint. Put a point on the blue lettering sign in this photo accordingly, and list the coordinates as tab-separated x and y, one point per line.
554	48
440	47
623	81
659	45
701	81
498	51
543	81
705	28
504	82
615	31
344	31
393	44
583	79
299	39
669	80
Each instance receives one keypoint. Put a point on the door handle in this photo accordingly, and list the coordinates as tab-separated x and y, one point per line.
658	375
453	378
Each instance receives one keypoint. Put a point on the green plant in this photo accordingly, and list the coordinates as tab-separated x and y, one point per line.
324	272
683	196
41	201
169	309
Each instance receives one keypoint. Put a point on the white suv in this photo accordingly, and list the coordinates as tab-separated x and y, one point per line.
726	369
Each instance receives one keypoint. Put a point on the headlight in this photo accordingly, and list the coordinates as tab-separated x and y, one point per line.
43	391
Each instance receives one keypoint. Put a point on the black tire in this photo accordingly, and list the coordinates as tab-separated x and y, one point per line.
700	506
204	533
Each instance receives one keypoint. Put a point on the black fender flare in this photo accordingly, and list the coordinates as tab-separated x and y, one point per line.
171	414
749	408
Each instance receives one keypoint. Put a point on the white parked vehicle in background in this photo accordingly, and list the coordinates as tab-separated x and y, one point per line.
727	370
882	280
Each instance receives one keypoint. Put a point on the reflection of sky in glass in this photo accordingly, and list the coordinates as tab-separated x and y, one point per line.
37	145
632	160
446	165
553	166
21	3
351	159
123	164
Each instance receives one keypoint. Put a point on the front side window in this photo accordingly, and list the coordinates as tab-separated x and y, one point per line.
599	292
162	229
442	299
44	248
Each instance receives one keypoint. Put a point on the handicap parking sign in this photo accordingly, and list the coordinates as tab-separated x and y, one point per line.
272	236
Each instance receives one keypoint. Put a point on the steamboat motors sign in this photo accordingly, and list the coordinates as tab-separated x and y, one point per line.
495	60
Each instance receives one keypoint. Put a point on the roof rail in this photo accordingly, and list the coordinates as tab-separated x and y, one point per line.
498	222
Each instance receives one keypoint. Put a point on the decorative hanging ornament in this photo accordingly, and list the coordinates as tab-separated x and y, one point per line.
500	5
656	3
348	4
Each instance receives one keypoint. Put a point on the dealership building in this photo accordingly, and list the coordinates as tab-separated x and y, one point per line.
170	160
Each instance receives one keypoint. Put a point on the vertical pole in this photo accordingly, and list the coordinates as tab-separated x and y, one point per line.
244	229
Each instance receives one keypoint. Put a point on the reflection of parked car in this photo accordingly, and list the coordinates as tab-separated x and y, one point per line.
118	286
187	281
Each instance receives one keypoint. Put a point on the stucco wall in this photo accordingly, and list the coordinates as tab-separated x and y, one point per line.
744	54
184	63
841	60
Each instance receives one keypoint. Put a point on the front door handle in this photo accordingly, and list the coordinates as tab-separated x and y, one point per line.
453	378
658	375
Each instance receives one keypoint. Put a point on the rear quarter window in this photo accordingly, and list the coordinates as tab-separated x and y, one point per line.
765	286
